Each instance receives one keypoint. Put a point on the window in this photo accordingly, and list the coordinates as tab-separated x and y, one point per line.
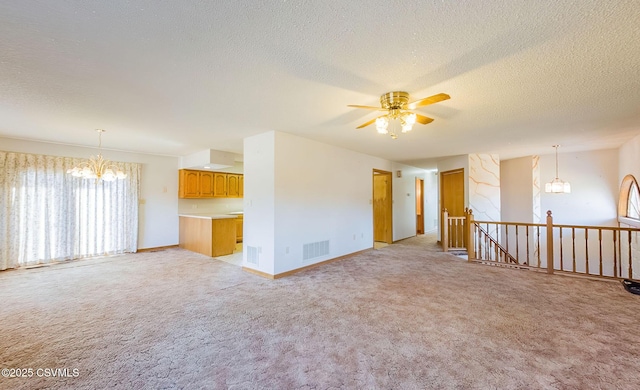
47	215
629	202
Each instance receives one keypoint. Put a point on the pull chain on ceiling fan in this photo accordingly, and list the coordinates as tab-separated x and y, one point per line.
398	109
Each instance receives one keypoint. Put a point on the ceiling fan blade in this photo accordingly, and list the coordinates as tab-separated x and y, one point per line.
430	100
367	123
366	107
423	119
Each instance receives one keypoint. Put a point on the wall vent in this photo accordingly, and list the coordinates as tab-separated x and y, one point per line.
252	254
315	249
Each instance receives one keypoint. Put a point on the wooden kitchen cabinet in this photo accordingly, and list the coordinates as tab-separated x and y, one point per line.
219	185
233	186
209	236
206	184
239	228
195	184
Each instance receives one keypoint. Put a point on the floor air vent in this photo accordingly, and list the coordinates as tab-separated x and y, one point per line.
315	249
252	254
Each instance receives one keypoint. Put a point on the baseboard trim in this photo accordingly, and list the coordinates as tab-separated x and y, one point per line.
259	273
294	271
156	249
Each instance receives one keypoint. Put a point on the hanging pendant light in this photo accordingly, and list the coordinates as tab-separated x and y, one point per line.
98	167
557	186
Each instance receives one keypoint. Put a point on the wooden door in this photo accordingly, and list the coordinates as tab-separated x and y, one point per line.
206	184
233	186
241	187
189	186
419	206
219	184
452	199
382	215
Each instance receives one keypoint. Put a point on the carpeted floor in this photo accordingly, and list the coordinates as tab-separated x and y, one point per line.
403	317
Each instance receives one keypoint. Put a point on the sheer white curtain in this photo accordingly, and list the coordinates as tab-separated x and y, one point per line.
48	215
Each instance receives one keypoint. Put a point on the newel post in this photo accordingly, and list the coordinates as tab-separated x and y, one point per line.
471	246
549	242
445	230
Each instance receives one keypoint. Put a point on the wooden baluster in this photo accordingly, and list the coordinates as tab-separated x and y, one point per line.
600	243
620	253
488	241
586	248
615	254
527	234
506	230
487	246
561	256
454	231
549	242
630	256
445	230
538	243
517	246
484	238
480	246
573	246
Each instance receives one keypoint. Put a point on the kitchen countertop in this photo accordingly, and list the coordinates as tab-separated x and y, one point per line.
209	216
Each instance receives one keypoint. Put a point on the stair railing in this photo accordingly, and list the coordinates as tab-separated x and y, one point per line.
594	251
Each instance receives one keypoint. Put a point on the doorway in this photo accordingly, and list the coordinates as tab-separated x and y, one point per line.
419	206
382	207
452	199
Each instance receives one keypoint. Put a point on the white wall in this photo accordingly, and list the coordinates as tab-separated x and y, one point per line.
594	187
259	201
318	192
158	211
484	186
210	206
629	159
431	200
516	195
404	199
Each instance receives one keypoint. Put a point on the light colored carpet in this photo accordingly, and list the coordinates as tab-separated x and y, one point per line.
403	317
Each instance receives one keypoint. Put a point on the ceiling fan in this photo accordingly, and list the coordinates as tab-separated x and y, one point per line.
398	107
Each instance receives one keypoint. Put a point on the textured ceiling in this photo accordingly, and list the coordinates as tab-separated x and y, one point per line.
176	77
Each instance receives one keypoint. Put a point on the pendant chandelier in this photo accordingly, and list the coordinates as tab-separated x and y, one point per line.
98	167
557	186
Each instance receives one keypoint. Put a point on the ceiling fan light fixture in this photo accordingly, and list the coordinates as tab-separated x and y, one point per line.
407	120
410	118
382	124
399	116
